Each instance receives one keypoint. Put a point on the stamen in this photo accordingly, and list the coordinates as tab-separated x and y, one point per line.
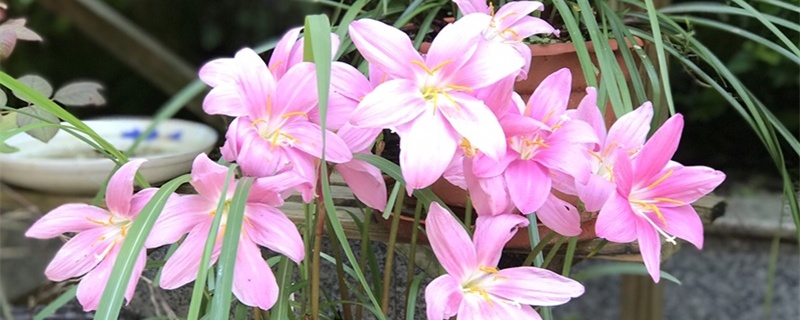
660	180
483	294
669	201
431	71
595	155
669	238
100	222
269	106
491	270
275	65
513	33
256	122
610	147
459	88
295	113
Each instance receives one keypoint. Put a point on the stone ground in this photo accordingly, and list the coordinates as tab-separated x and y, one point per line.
726	280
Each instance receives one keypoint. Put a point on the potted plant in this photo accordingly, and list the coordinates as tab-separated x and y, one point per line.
303	113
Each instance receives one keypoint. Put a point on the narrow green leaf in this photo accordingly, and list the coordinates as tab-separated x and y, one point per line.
589	70
718	8
281	309
132	246
318	50
221	302
390	202
203	275
413	292
662	60
56	304
618	268
766	22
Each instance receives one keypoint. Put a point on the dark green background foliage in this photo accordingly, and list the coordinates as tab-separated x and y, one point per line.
198	31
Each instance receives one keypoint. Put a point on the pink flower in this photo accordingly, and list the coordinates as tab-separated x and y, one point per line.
91	253
253	281
654	195
429	100
542	141
473	287
628	134
289	52
273	131
365	180
510	25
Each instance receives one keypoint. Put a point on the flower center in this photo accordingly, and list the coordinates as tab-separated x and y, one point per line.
528	146
642	205
271	130
433	87
116	229
476	283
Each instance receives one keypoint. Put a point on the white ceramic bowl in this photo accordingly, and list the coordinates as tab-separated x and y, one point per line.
67	165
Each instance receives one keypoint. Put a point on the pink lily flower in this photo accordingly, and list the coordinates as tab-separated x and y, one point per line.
272	132
628	134
253	281
289	52
429	100
91	253
365	180
473	287
543	141
654	195
510	25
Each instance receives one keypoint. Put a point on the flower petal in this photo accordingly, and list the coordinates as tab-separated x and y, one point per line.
442	297
392	103
550	98
79	255
295	92
595	192
279	61
534	286
491	235
71	217
472	6
120	187
271	228
92	286
426	147
616	221
561	216
684	184
366	182
358	139
308	138
528	185
179	216
630	131
208	177
219	72
183	265
650	247
491	63
450	243
384	46
489	195
473	120
657	151
588	112
682	222
255	81
253	281
225	99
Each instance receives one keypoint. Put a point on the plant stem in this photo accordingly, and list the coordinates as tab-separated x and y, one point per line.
343	293
573	242
387	268
315	254
468	215
412	252
533	235
365	246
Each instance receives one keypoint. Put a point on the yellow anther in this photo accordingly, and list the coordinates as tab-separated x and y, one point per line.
269	106
491	270
659	214
669	201
295	113
483	294
100	222
595	155
275	65
428	70
257	121
459	88
547	116
513	33
468	149
660	180
610	147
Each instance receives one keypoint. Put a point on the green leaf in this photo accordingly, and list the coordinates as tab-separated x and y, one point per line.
132	246
618	268
221	302
33	114
59	302
3	98
281	309
413	292
318	50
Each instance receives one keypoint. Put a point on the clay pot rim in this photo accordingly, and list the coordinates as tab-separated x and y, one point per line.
569	47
